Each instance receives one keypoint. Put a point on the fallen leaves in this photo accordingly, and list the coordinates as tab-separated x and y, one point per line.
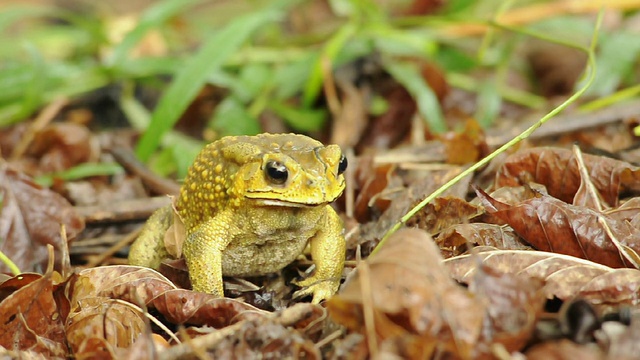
556	227
565	277
104	312
405	299
526	251
31	218
558	170
549	224
404	294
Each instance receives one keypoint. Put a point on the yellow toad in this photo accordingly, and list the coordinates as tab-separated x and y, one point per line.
250	206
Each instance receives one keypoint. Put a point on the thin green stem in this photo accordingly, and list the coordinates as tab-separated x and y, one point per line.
10	264
590	71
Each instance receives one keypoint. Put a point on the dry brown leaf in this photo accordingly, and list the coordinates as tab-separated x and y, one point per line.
351	119
587	195
465	146
549	224
405	199
442	213
371	180
628	211
565	276
184	306
557	169
454	241
30	219
410	295
134	284
513	305
30	317
99	325
60	146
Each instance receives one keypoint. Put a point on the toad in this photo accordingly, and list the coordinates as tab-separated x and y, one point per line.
250	206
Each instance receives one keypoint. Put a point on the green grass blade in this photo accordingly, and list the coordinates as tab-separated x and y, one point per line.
192	76
80	172
412	80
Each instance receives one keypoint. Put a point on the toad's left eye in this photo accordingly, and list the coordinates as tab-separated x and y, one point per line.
276	172
342	166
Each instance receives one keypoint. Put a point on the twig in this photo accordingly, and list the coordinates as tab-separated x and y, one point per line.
44	118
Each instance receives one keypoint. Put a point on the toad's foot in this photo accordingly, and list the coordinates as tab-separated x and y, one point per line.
321	289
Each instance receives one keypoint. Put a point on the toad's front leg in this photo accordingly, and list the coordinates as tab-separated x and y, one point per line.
328	248
203	254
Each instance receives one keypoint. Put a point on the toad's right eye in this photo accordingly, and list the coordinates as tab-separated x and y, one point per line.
276	172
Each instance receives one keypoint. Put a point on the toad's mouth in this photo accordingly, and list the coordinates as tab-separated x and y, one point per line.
262	200
272	202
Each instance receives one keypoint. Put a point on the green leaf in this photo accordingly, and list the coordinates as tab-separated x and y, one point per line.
253	80
149	66
489	103
301	119
452	59
428	107
617	58
80	172
190	79
163	162
232	118
392	41
289	79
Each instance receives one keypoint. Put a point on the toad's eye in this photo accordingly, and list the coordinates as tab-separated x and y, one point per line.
276	172
343	164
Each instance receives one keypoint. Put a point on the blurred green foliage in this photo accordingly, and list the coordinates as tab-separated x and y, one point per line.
246	48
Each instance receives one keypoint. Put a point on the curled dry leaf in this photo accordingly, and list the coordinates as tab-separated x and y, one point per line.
587	195
372	179
409	295
105	308
454	241
30	317
60	146
99	326
183	306
549	224
565	276
30	219
558	170
134	284
442	213
146	287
